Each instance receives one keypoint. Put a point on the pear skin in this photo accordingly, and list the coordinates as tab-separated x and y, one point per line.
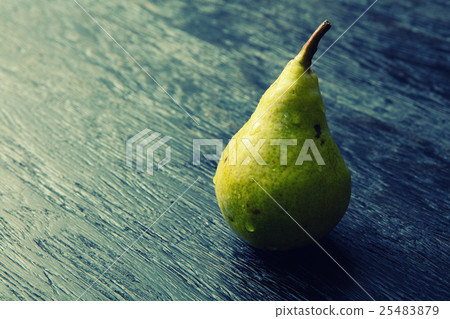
310	179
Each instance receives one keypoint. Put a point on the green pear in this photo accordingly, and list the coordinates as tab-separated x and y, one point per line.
281	182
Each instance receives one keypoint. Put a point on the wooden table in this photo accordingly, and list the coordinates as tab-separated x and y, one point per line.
73	214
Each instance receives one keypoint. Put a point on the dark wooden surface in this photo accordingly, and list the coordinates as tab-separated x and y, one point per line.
70	98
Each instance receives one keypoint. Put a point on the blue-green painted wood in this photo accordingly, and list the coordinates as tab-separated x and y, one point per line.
70	99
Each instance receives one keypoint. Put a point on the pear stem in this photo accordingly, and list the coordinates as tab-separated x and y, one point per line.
309	49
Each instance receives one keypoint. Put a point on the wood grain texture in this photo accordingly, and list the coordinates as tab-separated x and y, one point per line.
70	99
